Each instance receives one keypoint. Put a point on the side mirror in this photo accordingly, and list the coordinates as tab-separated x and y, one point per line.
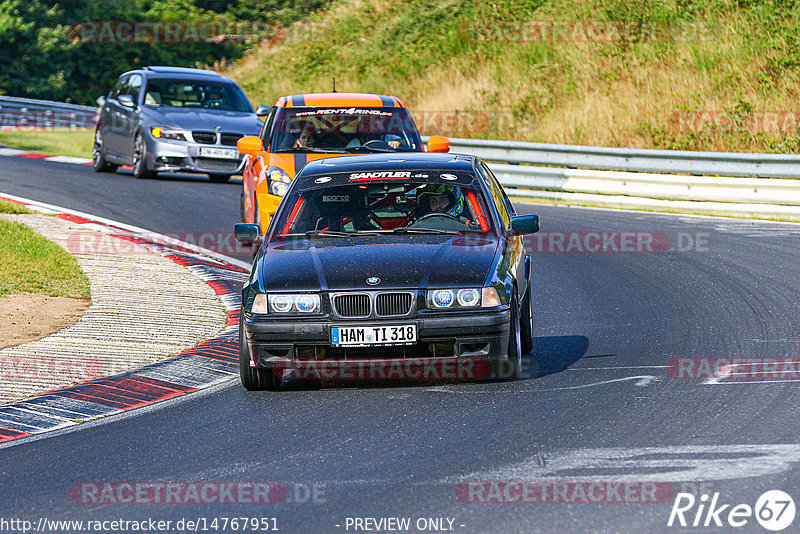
263	110
250	145
437	143
524	224
248	234
101	100
126	100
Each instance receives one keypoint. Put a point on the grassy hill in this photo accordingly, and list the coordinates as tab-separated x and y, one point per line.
678	74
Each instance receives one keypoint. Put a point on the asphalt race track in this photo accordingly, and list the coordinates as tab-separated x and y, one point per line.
602	400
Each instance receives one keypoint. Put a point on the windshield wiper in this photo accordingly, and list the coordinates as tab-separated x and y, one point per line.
318	233
404	230
364	148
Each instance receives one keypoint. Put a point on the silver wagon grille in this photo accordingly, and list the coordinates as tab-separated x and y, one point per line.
206	138
230	139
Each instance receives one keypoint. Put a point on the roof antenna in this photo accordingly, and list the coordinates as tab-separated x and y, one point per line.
334	84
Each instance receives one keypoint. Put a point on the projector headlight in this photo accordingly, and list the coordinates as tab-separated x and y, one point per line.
455	298
441	299
468	298
292	303
306	303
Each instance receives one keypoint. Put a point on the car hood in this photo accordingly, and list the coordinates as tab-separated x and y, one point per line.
205	119
399	262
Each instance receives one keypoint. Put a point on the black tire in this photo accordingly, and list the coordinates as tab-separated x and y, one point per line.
140	158
219	178
526	322
515	343
256	220
99	162
253	378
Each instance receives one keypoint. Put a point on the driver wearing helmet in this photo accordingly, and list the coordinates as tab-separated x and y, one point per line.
213	97
446	199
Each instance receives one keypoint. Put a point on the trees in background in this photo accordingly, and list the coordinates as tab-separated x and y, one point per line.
48	52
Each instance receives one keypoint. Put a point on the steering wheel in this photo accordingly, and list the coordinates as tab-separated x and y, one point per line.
377	143
438	214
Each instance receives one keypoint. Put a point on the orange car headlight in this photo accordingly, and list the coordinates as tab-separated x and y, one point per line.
278	181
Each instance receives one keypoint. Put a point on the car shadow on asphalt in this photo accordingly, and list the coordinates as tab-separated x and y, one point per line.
550	355
553	354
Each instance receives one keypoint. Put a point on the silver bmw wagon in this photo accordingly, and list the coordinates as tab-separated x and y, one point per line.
173	119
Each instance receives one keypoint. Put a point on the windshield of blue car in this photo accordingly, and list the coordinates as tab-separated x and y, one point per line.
384	208
198	94
345	129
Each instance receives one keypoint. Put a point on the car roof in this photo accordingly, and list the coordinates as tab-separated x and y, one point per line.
388	162
339	99
160	69
180	73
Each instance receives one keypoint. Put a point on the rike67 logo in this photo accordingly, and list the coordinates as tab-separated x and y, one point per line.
774	510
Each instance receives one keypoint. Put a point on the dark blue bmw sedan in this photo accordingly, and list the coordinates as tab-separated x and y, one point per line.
389	266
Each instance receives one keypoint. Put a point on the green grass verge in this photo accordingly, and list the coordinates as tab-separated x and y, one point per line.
687	74
31	263
55	143
10	207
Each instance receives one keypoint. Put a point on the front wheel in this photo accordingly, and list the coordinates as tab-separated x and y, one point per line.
526	322
253	378
140	159
515	343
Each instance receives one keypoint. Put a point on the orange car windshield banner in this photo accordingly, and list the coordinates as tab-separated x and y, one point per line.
343	111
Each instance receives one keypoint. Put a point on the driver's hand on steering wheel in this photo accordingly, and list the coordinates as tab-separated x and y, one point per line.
393	143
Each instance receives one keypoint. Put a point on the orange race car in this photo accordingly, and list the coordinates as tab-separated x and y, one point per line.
307	127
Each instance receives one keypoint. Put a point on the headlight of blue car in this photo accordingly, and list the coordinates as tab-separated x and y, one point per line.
443	299
286	303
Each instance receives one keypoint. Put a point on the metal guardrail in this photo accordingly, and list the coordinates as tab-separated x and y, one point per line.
764	185
30	113
641	177
633	159
647	185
